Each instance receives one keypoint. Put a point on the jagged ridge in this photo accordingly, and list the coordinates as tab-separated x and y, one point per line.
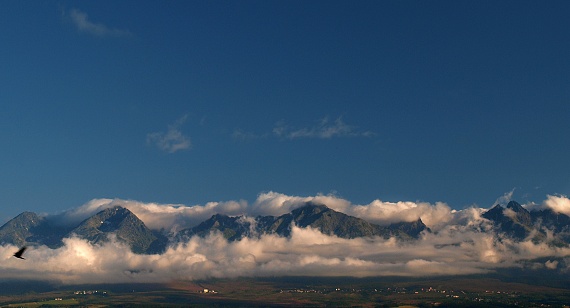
28	228
312	215
516	222
125	225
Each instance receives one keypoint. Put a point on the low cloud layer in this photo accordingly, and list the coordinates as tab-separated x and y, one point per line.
459	245
175	216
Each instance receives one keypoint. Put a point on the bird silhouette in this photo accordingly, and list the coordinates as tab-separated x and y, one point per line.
20	252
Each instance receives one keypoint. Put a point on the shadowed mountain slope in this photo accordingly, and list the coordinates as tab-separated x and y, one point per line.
512	221
316	216
28	228
519	224
125	226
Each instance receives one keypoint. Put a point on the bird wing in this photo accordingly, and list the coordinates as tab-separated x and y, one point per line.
20	252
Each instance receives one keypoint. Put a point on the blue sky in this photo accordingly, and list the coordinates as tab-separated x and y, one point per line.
188	102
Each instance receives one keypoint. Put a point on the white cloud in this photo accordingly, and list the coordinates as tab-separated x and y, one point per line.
436	216
176	216
559	204
172	140
385	213
171	217
378	212
325	129
458	246
83	24
306	252
551	264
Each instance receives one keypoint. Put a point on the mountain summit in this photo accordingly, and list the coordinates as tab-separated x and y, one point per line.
313	215
519	224
513	221
126	227
29	228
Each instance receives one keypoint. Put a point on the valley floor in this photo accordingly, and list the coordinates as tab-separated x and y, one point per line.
294	292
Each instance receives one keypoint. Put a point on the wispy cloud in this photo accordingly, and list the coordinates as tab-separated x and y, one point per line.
172	140
83	24
324	129
504	199
242	135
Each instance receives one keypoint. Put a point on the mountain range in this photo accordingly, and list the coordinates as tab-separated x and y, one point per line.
316	216
31	229
28	228
517	223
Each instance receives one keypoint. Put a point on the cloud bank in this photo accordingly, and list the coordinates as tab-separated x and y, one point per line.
459	245
176	216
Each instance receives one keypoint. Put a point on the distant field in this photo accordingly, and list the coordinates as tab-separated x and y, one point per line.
56	303
297	291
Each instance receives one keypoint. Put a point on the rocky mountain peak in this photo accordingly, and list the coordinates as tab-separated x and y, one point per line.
29	228
495	214
513	220
309	213
19	229
522	215
515	206
121	222
310	208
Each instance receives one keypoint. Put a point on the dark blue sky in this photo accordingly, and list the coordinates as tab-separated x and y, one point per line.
189	102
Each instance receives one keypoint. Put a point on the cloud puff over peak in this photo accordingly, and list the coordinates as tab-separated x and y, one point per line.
559	204
379	212
177	216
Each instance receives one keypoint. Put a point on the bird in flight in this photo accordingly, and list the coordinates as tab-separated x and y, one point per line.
20	252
